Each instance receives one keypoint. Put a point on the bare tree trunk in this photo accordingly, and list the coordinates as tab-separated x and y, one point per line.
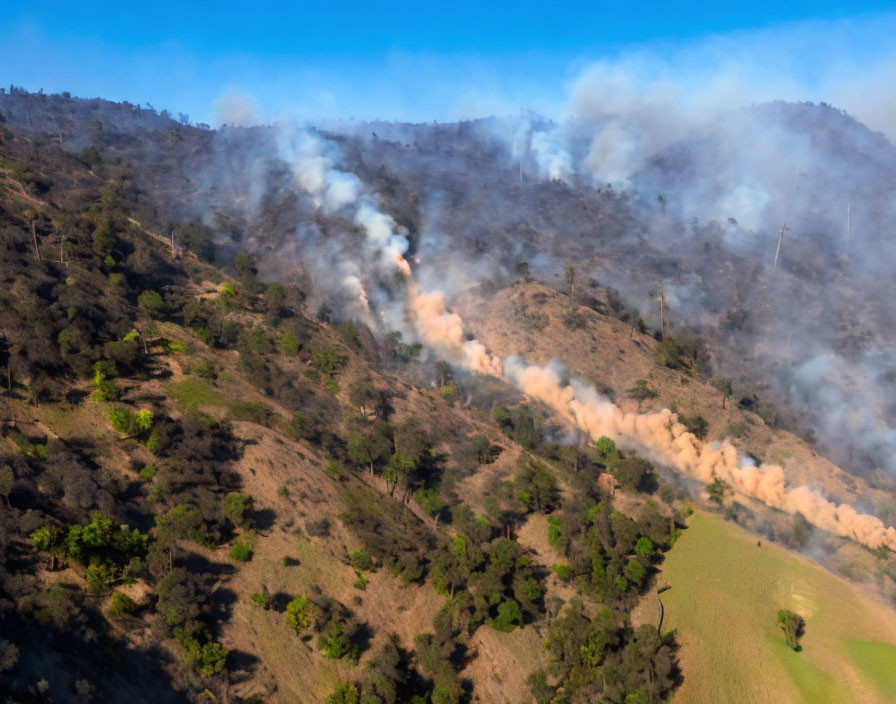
663	314
34	239
780	239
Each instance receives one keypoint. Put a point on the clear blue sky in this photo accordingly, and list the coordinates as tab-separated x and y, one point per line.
421	60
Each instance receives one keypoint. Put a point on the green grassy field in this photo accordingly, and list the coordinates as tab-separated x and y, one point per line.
726	591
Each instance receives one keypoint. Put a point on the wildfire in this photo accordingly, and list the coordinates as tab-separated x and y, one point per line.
403	265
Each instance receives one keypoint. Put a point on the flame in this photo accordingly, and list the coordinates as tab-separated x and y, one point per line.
403	265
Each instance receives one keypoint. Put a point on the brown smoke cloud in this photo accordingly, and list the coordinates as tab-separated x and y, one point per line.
657	436
444	331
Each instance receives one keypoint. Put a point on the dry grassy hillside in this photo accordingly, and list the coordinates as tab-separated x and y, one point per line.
530	320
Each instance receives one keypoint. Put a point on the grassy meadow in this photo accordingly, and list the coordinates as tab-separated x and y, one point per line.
726	591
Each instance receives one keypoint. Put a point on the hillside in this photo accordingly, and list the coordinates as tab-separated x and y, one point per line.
732	649
228	499
231	472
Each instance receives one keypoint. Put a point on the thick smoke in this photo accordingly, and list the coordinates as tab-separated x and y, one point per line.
363	268
314	164
541	144
444	331
267	179
714	171
657	436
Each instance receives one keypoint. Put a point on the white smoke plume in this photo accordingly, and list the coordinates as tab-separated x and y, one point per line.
314	162
545	147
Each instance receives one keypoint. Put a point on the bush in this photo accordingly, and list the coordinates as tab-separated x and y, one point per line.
121	605
151	302
335	641
204	370
556	533
360	560
327	361
235	506
641	391
300	614
240	552
99	577
251	412
361	582
686	353
336	470
200	651
289	343
263	599
793	625
696	424
122	420
563	571
635	473
318	529
345	693
257	341
509	616
148	472
717	490
635	572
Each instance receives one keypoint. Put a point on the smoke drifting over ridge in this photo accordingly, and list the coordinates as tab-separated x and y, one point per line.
714	171
658	436
362	264
817	326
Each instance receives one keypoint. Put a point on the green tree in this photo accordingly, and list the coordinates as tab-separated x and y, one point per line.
398	470
724	386
122	420
717	490
121	605
345	693
247	271
335	641
151	302
509	616
570	275
236	506
300	614
607	449
49	538
429	501
644	547
177	523
635	571
793	625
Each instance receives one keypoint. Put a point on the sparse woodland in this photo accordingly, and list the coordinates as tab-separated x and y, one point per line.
211	491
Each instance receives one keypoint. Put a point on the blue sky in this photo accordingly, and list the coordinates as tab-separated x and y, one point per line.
415	61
